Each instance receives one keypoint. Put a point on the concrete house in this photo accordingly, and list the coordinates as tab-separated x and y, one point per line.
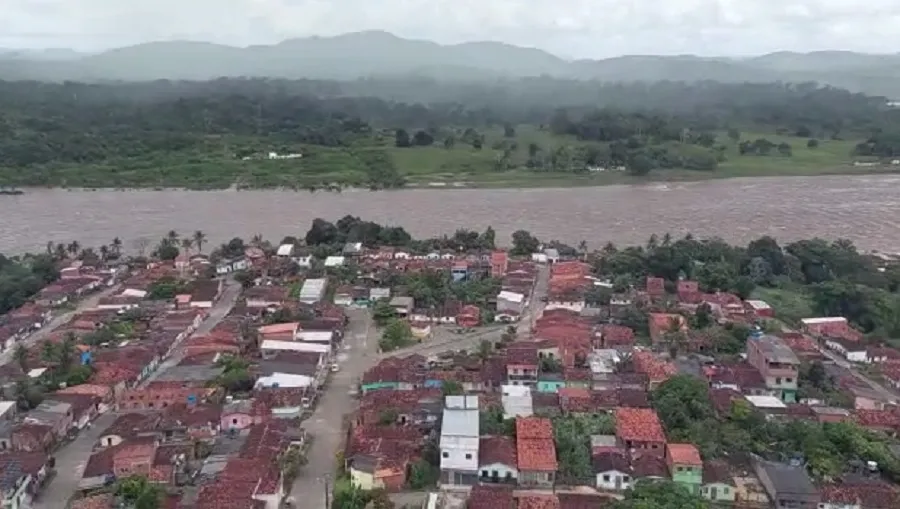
497	460
535	452
789	487
613	470
459	441
777	364
685	466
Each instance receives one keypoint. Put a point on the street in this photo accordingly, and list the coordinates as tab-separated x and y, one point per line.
58	321
216	314
877	387
326	425
70	462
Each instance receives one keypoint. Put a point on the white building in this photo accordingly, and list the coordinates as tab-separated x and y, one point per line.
334	261
459	440
285	250
313	290
510	301
271	347
853	351
284	380
516	401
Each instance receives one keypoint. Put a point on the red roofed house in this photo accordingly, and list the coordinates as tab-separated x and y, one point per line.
521	364
656	286
688	292
639	428
497	459
535	452
612	335
685	466
657	370
499	264
469	316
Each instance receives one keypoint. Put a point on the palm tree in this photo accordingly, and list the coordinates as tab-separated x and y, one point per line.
186	244
73	247
667	239
60	251
104	252
117	246
48	351
484	349
257	240
582	247
20	354
172	236
652	242
50	247
199	240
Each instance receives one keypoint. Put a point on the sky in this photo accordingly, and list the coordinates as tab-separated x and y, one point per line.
570	28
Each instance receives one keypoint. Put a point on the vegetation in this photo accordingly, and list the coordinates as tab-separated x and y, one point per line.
218	134
139	493
397	334
20	278
660	495
815	277
572	435
683	406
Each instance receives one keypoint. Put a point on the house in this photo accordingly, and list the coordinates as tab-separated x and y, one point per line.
499	264
656	286
23	475
535	452
856	493
313	290
853	351
352	249
613	470
403	306
640	429
759	308
241	414
777	364
510	302
828	326
718	484
334	261
497	460
516	401
787	486
57	415
469	316
232	265
459	441
685	466
522	364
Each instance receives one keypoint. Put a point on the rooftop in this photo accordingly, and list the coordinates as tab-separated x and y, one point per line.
638	424
684	454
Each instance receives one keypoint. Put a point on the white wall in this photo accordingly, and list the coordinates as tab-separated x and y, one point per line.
459	453
610	484
500	468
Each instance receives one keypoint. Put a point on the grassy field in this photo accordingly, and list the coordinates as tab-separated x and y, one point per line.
462	165
790	305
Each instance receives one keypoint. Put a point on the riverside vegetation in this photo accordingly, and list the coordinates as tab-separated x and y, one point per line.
217	134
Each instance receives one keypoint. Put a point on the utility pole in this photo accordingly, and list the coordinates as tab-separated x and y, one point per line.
327	493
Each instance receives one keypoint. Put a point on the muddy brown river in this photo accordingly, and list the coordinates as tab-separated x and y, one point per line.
865	209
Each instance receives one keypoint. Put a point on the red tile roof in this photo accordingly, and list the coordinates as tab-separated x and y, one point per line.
535	449
683	454
491	497
539	502
657	370
638	424
497	449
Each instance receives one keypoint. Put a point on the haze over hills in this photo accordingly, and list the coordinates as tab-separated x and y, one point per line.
376	53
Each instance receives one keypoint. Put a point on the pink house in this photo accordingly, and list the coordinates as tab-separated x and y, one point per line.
239	415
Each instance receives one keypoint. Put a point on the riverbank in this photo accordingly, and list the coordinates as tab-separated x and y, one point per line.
380	165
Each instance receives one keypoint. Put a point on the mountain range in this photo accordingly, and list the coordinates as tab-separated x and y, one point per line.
381	54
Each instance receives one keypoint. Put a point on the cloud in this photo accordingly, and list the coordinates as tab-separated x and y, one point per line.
578	28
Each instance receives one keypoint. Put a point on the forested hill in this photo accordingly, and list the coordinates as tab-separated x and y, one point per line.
377	53
381	133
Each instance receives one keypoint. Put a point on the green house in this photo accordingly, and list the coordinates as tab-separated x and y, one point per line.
718	484
685	466
550	382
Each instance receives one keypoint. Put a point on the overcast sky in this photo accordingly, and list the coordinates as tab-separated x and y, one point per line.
572	28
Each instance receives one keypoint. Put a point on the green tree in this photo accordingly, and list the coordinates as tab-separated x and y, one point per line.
452	388
660	495
524	243
383	312
20	354
397	334
139	493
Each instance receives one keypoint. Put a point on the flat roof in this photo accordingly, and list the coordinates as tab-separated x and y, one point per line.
295	346
765	401
823	319
758	304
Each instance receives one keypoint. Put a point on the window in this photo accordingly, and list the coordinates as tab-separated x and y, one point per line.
468	456
788	380
234	421
494	473
626	478
778	380
725	490
484	473
606	478
445	454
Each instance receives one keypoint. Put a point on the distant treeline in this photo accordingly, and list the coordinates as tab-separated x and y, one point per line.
44	123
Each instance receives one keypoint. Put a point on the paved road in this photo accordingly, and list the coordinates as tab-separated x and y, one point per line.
877	387
89	302
70	462
535	304
337	401
218	313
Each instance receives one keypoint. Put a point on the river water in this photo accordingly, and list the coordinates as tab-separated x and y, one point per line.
865	209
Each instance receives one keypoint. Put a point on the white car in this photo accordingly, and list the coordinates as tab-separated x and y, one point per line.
335	368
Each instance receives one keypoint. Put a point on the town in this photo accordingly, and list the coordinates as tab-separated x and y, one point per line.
356	366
